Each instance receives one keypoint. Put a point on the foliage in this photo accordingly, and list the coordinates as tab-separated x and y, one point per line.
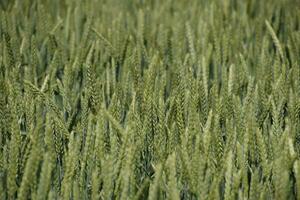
134	99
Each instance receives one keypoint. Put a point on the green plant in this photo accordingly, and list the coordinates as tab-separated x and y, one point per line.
133	99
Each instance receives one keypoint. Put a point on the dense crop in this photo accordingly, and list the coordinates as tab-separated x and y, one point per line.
157	99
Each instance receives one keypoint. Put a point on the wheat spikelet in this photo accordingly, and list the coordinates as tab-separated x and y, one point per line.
154	188
45	179
30	170
275	39
173	193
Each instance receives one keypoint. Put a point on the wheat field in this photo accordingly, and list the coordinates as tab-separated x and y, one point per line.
150	99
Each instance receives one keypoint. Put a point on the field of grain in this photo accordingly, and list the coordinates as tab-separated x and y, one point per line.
150	99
